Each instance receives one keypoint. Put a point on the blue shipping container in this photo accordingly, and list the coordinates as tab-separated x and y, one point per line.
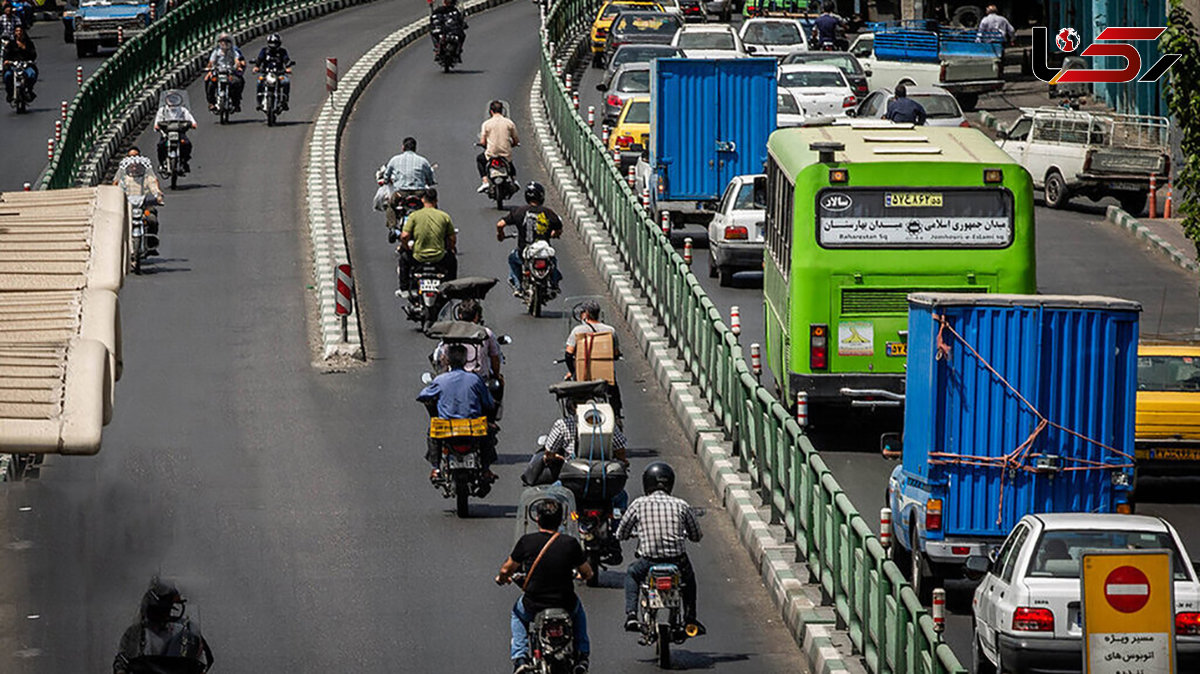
1072	358
710	121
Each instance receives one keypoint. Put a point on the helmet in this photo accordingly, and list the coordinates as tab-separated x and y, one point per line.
658	475
162	602
274	40
535	192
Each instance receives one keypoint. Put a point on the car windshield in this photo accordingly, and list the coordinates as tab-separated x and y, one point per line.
938	105
745	199
844	62
641	54
647	25
773	32
1059	552
639	113
690	39
805	79
614	9
634	82
1168	373
787	104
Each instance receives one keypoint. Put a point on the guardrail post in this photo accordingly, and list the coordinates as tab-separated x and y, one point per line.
939	612
802	408
27	187
591	118
756	360
885	530
63	110
79	76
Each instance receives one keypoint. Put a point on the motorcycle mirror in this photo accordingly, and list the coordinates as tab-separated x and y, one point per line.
291	63
541	441
426	378
504	339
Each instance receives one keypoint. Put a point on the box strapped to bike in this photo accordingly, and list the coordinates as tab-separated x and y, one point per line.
440	429
595	354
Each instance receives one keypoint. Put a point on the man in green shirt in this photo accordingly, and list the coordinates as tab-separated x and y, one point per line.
428	238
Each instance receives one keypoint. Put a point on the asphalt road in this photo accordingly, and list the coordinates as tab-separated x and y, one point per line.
291	504
25	135
1078	253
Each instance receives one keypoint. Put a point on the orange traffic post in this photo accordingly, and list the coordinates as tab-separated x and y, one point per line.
1167	205
1153	196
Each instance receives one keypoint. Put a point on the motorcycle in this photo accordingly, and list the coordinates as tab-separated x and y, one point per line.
405	207
501	185
460	444
224	79
174	130
660	612
22	92
538	264
143	227
272	97
449	48
426	302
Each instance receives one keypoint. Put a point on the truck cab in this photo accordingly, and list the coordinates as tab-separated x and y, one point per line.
91	24
927	59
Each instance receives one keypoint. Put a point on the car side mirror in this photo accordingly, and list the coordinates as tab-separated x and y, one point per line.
891	445
852	113
751	50
601	88
1002	134
504	340
707	205
866	71
977	567
426	378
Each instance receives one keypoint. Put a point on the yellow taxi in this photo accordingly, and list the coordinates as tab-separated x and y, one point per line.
604	18
632	133
1168	409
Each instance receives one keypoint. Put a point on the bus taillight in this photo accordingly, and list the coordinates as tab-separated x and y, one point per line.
818	347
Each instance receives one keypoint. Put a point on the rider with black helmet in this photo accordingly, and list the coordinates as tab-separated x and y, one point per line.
162	639
534	222
273	57
662	524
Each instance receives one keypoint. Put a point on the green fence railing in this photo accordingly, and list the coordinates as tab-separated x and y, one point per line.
885	620
122	80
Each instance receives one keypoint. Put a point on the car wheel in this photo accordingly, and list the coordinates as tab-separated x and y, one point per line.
712	265
922	583
726	276
979	662
1056	190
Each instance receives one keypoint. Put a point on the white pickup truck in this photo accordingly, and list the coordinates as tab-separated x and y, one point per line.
966	77
1091	154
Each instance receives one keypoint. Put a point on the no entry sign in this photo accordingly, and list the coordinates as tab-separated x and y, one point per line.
1128	612
1127	589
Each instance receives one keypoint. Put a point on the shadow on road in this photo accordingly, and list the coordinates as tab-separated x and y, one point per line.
683	659
490	511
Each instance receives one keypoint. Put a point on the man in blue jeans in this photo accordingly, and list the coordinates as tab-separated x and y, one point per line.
549	559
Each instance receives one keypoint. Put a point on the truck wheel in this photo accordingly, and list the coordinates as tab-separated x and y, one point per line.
1133	203
84	48
968	101
68	33
922	583
1056	190
967	16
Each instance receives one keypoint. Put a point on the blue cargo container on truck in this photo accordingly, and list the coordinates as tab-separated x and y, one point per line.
1015	405
104	23
709	122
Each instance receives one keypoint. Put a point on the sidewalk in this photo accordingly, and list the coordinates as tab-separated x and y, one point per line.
999	110
1164	235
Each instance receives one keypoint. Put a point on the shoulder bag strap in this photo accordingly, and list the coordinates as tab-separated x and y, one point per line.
529	574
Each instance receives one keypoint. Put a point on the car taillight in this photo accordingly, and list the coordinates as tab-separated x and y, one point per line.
664	582
1033	620
848	102
624	142
1187	624
601	32
942	73
933	514
861	89
594	514
540	264
736	232
959	550
818	347
965	124
613	100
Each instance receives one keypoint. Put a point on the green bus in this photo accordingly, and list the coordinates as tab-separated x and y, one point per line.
862	213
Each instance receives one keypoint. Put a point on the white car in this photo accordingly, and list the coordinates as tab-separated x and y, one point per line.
774	37
941	108
788	111
735	234
819	90
709	41
1027	607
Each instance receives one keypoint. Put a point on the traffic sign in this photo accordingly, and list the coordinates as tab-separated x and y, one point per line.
1128	612
345	289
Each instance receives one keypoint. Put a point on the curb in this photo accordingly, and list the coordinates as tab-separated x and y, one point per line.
812	626
988	120
323	196
1126	221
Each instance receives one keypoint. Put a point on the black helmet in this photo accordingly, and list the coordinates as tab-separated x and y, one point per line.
658	475
535	192
274	40
162	602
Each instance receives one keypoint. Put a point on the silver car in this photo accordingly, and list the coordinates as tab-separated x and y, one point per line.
941	109
630	80
638	53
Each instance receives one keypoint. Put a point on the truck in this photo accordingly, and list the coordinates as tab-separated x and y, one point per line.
963	62
104	23
709	122
1093	154
1015	405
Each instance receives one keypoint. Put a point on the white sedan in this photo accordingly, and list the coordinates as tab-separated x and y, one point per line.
776	37
709	41
1027	607
735	234
941	108
819	90
788	111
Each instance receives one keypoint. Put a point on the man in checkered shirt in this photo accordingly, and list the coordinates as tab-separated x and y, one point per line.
662	524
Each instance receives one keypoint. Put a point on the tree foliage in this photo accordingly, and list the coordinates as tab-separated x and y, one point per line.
1183	100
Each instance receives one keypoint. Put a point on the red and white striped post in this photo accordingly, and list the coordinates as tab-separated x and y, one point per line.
62	109
331	75
631	176
27	187
735	320
567	81
591	113
604	135
885	530
153	11
58	131
687	251
617	157
665	223
802	408
79	76
756	360
49	149
344	292
575	100
939	611
120	36
1152	198
1167	204
646	197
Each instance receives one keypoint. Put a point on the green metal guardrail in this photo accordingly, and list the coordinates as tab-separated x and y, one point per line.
123	77
886	622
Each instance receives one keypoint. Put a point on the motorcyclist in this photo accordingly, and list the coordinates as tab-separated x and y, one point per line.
550	559
589	316
482	359
408	174
174	110
136	180
20	48
458	394
9	21
273	57
662	524
827	26
445	19
133	156
430	231
162	639
228	55
498	137
534	222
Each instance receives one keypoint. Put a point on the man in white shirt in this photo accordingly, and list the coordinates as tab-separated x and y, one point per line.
174	111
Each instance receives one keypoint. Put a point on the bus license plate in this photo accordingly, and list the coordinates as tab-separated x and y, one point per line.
897	349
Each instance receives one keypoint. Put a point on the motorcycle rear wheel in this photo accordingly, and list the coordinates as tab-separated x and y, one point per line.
662	647
594	562
174	176
224	116
535	301
499	198
462	490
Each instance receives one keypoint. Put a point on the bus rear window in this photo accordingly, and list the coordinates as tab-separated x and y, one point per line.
872	217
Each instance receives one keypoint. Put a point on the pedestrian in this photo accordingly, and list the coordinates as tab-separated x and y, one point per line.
996	23
903	109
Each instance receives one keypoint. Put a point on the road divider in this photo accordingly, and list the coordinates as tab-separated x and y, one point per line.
1124	220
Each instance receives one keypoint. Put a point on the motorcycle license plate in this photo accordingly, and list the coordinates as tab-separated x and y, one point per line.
655	600
173	135
463	461
430	285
